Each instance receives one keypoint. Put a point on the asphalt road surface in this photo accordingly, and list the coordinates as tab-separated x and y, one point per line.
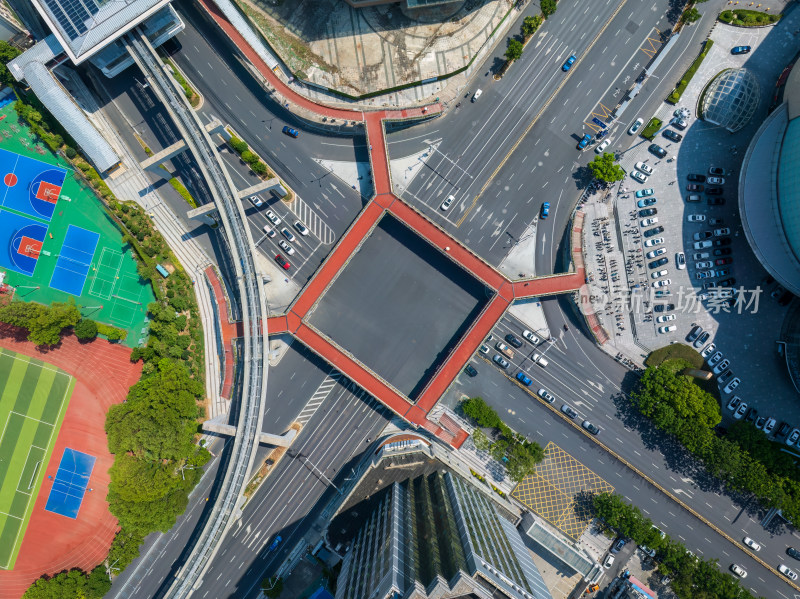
581	375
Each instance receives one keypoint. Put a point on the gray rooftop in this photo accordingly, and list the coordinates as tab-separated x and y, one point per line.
84	27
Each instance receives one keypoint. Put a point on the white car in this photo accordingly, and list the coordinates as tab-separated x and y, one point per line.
715	181
667	329
655	241
793	437
269	231
680	260
645	168
722	232
484	349
546	395
788	573
530	337
752	544
659	273
722	366
734	403
665	318
640	177
273	217
256	201
715	358
702	245
610	562
703	265
656	253
740	411
646	222
301	228
599	149
696	218
286	247
662	283
770	425
708	350
635	127
288	234
738	570
731	387
447	203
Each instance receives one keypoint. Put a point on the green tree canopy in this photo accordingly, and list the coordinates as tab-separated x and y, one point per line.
691	15
86	329
74	584
548	7
514	50
530	24
604	167
7	54
44	323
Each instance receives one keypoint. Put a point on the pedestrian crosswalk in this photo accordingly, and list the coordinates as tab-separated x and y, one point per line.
312	220
320	395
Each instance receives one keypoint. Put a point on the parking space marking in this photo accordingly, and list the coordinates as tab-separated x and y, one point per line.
312	220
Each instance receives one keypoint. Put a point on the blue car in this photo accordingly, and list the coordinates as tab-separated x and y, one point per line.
291	132
646	202
274	544
584	142
741	50
570	61
524	379
643	193
545	209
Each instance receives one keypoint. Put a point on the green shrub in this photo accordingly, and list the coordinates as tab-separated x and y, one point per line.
238	145
652	128
184	193
748	18
676	94
249	157
259	168
70	152
111	333
85	329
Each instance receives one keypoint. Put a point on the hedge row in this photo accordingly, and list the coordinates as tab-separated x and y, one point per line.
676	94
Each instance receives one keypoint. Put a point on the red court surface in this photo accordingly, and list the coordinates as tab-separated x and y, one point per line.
103	373
10	179
29	247
47	192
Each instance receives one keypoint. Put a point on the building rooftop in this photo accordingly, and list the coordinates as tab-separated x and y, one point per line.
84	27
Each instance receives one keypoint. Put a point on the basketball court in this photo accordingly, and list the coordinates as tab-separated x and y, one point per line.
30	186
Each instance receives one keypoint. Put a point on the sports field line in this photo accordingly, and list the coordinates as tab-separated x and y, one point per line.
10	515
31	418
38	363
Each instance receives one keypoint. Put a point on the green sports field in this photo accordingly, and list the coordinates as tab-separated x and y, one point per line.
33	400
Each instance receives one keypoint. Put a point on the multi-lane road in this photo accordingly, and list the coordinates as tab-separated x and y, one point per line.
499	186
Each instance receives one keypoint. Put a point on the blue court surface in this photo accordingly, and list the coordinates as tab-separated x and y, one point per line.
20	181
70	483
20	242
74	261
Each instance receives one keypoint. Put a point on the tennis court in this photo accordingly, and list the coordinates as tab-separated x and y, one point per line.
33	400
70	484
74	261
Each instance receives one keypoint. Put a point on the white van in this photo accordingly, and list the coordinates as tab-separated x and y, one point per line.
540	360
477	95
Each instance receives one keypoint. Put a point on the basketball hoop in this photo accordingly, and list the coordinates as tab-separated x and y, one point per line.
31	251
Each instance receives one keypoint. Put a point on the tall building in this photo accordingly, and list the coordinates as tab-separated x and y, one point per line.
437	536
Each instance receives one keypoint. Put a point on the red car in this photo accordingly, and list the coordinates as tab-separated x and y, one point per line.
723	261
284	263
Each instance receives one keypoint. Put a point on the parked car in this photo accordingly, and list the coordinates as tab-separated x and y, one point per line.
663	307
731	387
680	260
301	228
643	193
703	274
693	197
740	50
672	135
656	253
618	545
740	411
648	212
721	366
665	318
783	569
701	340
716	170
770	425
700	255
727	283
659	273
524	379
723	261
679	123
546	395
667	329
694	187
703	265
793	437
696	218
282	262
716	181
513	340
572	414
644	167
646	222
609	561
657	150
646	202
640	177
500	361
722	232
447	203
694	333
286	247
653	242
584	141
702	245
592	428
723	252
484	349
714	191
653	231
530	337
569	62
662	283
696	178
734	403
700	235
471	370
635	127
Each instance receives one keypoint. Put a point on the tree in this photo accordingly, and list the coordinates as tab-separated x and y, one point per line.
7	54
72	584
530	24
272	587
691	15
480	440
606	169
46	327
481	412
124	549
548	7
514	50
86	329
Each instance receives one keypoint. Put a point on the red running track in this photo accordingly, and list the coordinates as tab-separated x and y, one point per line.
52	542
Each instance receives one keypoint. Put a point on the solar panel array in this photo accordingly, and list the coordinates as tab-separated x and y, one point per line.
73	15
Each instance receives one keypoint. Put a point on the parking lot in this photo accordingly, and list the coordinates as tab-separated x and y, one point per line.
744	327
399	306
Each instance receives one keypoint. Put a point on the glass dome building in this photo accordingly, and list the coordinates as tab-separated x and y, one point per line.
731	99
